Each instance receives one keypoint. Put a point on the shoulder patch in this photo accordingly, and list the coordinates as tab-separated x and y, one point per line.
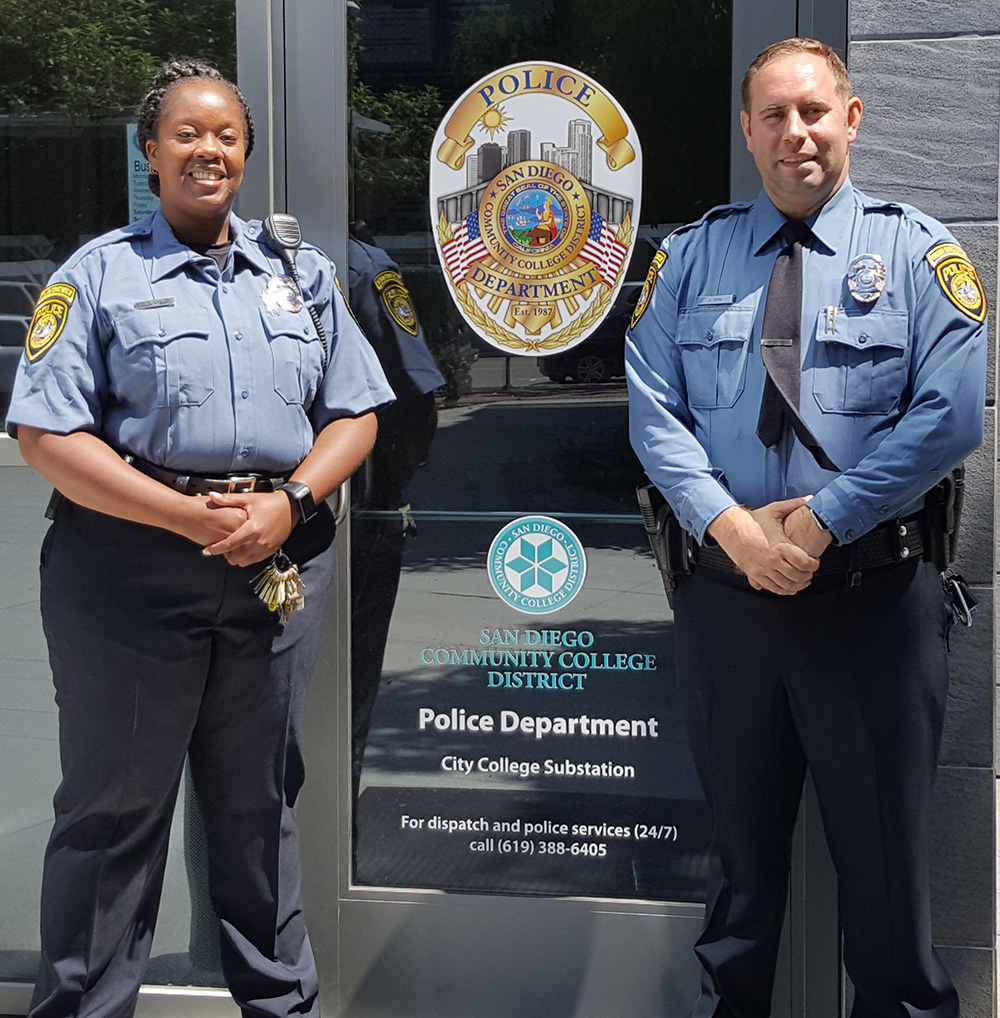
958	279
398	303
659	260
49	318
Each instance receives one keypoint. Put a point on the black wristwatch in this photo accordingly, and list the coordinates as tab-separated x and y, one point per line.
303	506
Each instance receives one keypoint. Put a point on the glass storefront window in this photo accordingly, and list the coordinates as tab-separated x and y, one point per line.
440	804
70	76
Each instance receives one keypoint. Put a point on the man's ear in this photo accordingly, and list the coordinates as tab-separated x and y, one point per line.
745	124
854	110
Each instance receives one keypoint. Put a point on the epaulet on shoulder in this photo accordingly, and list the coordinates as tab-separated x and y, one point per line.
140	228
719	212
912	215
891	208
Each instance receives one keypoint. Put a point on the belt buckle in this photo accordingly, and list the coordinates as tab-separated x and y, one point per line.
241	485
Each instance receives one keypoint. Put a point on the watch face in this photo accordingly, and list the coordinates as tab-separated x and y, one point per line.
301	497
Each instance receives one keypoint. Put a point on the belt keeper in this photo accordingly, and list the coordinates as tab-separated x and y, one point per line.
181	482
853	572
900	533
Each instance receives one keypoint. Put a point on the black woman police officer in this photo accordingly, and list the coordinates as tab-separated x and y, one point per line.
810	631
172	383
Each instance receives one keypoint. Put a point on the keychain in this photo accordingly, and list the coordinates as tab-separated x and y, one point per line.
280	587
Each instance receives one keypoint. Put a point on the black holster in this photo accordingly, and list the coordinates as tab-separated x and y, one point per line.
943	504
671	544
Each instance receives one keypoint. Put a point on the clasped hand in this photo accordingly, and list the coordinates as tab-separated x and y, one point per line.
256	531
777	546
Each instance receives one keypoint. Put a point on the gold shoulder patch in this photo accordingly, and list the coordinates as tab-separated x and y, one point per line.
49	318
398	303
659	260
958	279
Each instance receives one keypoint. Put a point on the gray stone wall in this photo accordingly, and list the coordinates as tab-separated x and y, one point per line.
929	76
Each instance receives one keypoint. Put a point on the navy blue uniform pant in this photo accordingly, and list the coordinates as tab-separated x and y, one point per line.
159	653
852	683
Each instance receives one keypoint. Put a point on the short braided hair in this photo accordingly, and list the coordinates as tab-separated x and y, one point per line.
172	73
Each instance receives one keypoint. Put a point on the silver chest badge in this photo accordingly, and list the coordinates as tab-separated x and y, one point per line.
866	277
282	294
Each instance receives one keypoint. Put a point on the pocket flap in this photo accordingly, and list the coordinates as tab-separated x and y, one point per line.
288	323
160	325
862	330
709	325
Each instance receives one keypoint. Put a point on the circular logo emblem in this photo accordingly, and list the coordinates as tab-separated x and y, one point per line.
536	565
534	218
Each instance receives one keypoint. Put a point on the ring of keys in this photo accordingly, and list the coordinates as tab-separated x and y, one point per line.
280	587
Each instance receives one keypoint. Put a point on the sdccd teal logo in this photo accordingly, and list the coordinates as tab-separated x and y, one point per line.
536	565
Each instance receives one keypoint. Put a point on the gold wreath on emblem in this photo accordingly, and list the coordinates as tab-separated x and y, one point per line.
558	338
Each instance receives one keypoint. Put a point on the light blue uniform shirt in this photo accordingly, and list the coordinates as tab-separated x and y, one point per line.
198	371
893	390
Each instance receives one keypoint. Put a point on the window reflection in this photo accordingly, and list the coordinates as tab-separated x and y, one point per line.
514	434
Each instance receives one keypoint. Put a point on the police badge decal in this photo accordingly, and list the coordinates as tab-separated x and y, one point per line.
536	175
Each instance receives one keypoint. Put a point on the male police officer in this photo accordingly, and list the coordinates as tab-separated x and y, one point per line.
803	369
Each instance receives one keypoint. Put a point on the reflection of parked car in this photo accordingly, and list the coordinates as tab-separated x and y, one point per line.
13	329
601	356
17	297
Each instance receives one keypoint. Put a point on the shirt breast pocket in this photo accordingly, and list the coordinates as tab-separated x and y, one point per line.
861	367
163	359
296	355
713	343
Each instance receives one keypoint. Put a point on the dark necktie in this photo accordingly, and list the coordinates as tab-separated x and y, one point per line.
780	348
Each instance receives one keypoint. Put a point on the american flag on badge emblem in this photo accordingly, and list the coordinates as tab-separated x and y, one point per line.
465	247
604	249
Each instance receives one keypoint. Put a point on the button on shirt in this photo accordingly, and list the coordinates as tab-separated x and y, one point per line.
164	357
893	390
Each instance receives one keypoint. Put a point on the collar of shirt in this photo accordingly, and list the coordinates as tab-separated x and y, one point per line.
169	254
830	225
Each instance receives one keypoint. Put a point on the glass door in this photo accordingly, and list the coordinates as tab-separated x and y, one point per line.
498	751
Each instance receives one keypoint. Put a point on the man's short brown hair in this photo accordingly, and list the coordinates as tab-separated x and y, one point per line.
790	47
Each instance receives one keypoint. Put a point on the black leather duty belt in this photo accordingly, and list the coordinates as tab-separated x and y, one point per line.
192	484
889	544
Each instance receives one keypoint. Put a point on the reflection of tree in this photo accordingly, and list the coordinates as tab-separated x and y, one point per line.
666	61
392	169
69	75
96	57
508	32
